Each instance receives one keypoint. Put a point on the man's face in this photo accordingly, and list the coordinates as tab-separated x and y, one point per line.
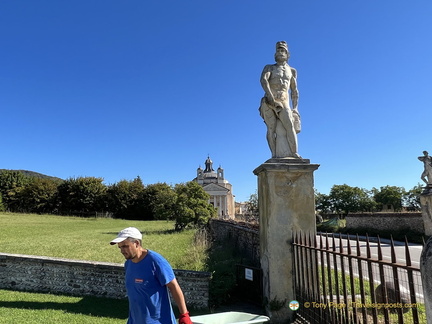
128	249
281	55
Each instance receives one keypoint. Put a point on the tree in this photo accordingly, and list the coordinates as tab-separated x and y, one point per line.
126	199
192	208
411	199
39	195
82	196
160	199
322	203
252	205
366	201
389	196
2	208
346	199
11	183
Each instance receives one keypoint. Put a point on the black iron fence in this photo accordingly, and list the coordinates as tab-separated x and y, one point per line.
340	280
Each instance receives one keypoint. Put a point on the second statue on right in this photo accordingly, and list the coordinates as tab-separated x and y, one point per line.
279	82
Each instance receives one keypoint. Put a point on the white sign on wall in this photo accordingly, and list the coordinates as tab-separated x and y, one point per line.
248	274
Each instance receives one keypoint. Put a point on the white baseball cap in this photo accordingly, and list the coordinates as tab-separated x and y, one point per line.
131	232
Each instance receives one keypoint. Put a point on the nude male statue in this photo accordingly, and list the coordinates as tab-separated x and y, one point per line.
283	123
426	176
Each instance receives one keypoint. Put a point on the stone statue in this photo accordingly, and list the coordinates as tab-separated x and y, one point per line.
283	122
426	176
208	165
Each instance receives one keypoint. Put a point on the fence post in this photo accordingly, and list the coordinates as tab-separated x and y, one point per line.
286	205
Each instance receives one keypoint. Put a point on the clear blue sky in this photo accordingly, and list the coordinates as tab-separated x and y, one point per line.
117	89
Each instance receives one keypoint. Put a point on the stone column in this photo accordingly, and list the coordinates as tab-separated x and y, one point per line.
286	204
225	203
222	213
426	275
426	207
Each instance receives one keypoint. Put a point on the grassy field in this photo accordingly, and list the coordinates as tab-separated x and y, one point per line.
34	308
88	239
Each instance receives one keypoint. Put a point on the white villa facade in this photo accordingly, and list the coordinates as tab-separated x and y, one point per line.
219	189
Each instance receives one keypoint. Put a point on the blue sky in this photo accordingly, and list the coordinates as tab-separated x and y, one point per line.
117	89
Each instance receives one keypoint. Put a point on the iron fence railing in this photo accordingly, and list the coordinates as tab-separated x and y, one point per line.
352	281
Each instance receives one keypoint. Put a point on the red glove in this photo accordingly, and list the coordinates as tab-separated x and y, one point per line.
185	319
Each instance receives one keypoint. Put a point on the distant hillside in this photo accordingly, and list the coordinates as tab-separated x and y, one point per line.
34	174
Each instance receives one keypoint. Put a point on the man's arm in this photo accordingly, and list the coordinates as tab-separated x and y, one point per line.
178	296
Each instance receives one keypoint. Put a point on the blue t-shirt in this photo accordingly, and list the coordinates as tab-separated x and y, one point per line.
149	301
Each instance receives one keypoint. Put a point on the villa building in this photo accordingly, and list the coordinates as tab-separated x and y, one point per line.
219	189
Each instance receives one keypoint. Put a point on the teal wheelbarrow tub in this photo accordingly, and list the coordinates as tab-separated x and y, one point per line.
229	318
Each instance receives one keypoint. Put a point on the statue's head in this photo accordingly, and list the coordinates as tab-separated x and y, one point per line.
425	153
282	53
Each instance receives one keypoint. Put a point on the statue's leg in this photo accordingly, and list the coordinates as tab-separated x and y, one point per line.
270	120
287	120
428	177
423	177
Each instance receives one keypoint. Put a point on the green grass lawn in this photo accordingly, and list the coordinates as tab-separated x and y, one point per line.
88	238
34	308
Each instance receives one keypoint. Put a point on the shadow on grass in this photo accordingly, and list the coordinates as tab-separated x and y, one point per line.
92	306
160	232
149	232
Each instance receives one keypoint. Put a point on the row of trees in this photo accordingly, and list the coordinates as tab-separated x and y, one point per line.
186	203
344	199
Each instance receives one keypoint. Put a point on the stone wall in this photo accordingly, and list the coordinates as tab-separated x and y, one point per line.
245	239
386	221
86	278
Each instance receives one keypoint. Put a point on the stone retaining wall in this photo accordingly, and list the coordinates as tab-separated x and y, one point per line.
245	240
86	278
386	221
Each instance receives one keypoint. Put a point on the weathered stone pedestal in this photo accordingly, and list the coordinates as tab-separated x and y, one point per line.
426	207
426	276
426	256
286	205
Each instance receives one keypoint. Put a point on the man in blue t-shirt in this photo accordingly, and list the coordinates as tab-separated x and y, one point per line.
148	278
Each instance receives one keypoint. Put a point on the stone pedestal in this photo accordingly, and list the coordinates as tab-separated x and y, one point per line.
426	207
286	204
426	276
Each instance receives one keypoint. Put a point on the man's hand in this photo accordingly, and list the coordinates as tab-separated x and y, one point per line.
270	101
185	319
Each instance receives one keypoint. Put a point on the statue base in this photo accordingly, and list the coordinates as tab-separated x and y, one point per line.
426	208
287	160
286	203
427	190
